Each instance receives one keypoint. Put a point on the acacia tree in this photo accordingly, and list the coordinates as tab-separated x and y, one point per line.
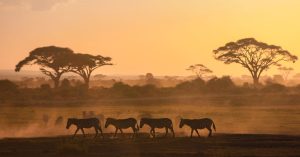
285	71
199	69
53	61
85	64
253	55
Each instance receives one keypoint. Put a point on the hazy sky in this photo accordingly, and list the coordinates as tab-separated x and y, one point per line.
159	36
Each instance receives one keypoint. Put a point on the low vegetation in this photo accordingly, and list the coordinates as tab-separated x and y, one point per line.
224	86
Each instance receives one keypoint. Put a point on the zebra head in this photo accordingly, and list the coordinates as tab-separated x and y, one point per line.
142	122
108	122
70	122
182	122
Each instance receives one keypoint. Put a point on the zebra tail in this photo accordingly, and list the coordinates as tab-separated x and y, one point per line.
214	126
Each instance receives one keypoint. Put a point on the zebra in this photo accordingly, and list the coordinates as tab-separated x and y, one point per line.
120	124
59	120
198	124
85	123
158	123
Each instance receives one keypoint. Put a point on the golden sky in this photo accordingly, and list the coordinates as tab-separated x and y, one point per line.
159	36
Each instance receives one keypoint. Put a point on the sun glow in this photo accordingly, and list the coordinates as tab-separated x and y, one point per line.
162	37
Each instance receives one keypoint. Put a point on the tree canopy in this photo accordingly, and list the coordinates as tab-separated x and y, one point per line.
285	71
53	61
253	55
85	64
199	69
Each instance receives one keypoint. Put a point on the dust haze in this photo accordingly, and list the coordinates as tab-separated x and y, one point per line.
229	118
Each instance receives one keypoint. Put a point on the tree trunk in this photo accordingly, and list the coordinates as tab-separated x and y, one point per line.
87	82
255	81
56	78
56	82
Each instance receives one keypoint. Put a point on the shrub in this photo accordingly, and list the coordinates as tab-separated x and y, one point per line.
274	87
196	85
8	90
220	84
6	85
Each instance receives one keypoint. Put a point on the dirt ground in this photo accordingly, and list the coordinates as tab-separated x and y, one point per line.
220	145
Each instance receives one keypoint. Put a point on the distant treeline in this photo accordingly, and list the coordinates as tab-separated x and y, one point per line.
10	92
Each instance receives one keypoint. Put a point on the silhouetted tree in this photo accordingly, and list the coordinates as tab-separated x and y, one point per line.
85	64
285	71
199	69
53	61
150	79
255	56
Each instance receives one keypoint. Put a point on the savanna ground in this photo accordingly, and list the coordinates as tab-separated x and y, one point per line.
220	145
258	129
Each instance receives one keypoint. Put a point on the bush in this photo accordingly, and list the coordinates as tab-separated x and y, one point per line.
45	91
8	90
6	85
274	87
197	85
220	84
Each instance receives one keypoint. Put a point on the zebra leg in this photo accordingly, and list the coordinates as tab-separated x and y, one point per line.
75	132
134	131
101	132
96	132
83	132
121	132
197	132
116	132
192	133
209	129
172	130
166	131
153	132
